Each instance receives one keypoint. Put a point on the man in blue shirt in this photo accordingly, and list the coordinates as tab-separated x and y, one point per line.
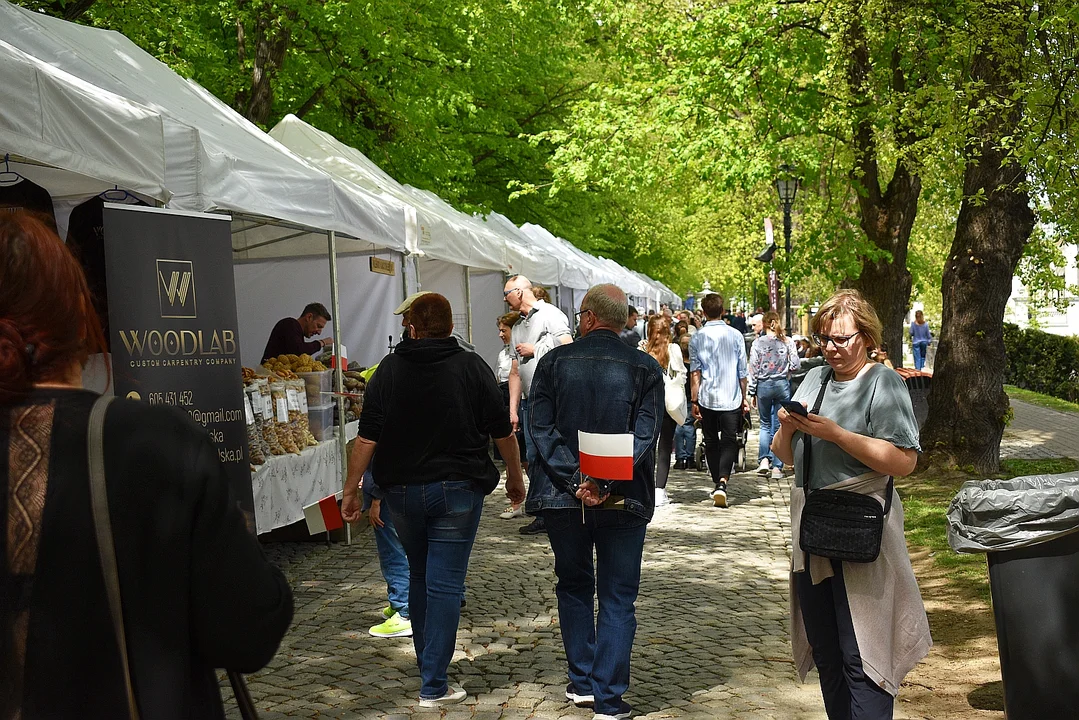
718	379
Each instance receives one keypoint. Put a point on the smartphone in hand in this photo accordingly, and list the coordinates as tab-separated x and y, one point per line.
794	408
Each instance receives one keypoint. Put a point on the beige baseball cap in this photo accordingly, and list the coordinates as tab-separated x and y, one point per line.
403	307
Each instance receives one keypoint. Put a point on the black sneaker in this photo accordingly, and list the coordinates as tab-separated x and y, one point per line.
579	699
624	711
679	464
690	465
719	495
535	527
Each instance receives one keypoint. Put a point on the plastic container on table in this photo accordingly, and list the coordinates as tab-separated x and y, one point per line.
321	419
318	385
1029	527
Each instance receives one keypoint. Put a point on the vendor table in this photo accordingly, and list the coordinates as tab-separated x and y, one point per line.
285	483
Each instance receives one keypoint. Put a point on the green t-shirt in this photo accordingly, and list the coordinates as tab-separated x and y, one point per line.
875	404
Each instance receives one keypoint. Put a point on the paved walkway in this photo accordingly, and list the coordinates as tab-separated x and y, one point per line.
712	613
1038	432
713	629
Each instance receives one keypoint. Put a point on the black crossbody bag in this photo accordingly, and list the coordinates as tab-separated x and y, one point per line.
839	524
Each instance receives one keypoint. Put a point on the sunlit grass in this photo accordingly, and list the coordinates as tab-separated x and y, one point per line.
925	503
1046	401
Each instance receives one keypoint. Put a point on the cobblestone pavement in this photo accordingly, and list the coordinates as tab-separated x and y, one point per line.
1038	432
712	613
712	640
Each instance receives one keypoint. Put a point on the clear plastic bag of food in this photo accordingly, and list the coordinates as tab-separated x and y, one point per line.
254	438
254	398
279	398
299	390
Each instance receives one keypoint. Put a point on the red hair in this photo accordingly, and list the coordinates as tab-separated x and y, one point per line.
47	318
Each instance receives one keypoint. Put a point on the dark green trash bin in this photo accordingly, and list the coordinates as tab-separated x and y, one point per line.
1029	528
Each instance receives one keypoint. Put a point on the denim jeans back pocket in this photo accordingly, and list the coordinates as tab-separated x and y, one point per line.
459	496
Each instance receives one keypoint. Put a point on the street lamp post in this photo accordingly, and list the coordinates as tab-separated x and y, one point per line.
787	187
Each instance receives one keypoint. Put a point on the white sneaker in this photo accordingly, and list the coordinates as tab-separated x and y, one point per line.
777	473
662	498
763	468
513	512
453	695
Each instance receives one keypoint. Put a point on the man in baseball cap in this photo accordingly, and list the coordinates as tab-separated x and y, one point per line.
404	310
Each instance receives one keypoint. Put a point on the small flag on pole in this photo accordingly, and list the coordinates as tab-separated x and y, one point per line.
323	516
606	456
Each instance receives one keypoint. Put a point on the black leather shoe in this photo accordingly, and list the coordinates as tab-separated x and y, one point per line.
535	527
679	464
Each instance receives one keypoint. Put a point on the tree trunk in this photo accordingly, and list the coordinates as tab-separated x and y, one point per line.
70	9
886	283
270	47
967	404
887	217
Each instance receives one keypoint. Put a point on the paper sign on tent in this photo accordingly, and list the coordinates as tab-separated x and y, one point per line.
606	456
323	516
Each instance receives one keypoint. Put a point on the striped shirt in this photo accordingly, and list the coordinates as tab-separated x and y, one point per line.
718	351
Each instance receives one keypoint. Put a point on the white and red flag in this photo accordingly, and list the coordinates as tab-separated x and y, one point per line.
606	456
323	516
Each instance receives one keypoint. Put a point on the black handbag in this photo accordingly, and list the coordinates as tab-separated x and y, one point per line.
839	524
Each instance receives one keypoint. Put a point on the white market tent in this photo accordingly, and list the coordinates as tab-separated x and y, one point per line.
453	253
229	164
282	206
76	139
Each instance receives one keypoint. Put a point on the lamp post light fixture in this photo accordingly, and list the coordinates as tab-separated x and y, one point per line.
787	186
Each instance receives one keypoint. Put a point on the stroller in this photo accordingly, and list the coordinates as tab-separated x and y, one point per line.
742	463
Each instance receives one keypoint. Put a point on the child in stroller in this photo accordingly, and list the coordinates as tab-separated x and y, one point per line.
740	465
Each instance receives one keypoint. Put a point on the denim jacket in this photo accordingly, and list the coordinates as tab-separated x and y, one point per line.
596	384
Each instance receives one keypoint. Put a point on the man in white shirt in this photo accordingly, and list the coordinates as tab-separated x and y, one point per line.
541	328
718	380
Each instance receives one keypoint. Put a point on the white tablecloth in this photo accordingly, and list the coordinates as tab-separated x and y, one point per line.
285	483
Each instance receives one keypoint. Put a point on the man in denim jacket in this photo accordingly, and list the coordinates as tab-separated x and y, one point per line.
600	385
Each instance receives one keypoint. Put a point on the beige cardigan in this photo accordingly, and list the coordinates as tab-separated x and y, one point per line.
890	623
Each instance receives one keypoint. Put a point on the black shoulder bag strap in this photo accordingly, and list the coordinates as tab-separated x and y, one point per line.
99	503
807	447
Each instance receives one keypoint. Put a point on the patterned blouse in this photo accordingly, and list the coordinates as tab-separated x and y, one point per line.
771	359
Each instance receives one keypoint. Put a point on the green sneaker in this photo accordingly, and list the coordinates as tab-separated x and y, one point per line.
396	626
388	612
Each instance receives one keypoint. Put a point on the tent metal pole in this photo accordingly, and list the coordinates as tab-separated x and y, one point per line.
468	300
338	375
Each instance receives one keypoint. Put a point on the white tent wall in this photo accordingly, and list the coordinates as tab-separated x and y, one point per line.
487	306
565	302
367	301
578	298
448	280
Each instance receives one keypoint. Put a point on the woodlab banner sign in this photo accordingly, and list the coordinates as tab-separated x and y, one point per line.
172	321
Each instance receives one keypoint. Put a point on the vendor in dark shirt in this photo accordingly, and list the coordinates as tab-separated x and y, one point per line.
289	335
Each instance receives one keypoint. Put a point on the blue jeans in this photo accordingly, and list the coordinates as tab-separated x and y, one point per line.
524	417
685	440
437	525
920	350
391	558
769	395
597	650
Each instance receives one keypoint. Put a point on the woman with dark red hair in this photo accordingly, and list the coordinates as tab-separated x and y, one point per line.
195	590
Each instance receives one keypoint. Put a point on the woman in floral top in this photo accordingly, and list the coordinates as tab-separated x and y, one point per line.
772	359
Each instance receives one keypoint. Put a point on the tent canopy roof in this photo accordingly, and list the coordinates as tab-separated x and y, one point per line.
229	163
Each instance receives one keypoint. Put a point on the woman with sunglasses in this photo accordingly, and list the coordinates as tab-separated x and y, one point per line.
862	624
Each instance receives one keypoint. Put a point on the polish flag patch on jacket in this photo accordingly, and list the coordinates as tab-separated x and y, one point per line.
323	516
606	456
